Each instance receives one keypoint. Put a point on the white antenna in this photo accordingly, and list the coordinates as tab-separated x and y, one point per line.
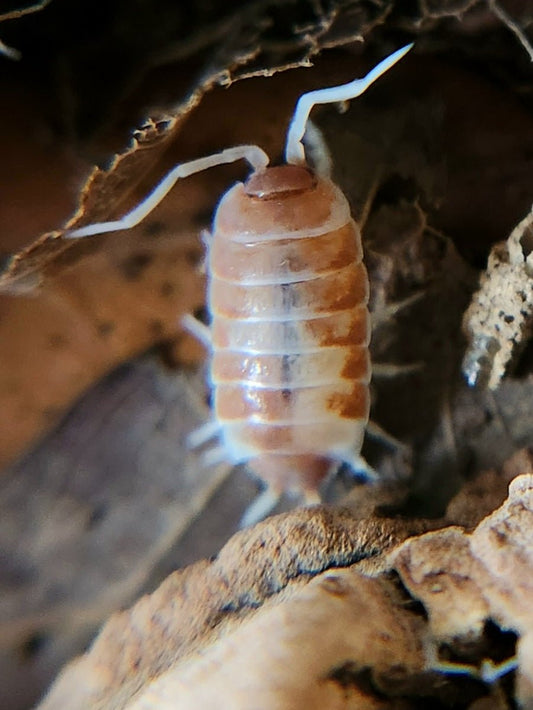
257	158
294	152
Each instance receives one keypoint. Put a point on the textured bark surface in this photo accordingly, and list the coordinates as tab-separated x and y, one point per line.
289	614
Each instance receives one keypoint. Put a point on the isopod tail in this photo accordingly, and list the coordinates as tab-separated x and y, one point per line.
294	152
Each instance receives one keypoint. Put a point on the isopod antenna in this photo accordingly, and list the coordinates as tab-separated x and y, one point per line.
294	152
257	158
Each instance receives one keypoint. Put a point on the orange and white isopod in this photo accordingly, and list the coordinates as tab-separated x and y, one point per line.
290	328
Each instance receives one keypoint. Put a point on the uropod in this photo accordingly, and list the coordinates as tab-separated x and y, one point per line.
290	328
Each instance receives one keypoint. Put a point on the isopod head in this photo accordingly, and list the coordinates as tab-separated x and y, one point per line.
279	181
278	202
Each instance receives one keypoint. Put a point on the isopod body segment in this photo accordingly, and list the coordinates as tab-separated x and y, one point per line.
288	298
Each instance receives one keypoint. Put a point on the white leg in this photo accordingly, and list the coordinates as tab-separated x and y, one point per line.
203	434
216	455
390	370
384	312
312	498
260	508
10	52
195	327
294	152
398	306
376	432
206	238
254	155
359	466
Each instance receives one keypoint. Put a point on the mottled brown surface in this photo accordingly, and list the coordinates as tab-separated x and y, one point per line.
192	605
321	635
68	335
264	621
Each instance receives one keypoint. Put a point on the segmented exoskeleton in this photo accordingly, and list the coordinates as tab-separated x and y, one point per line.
290	328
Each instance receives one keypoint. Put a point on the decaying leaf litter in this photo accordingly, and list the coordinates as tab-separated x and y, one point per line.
451	429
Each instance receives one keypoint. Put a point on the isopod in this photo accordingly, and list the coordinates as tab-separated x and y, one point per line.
289	334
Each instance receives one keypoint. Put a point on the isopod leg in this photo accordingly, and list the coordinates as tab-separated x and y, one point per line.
215	456
377	432
390	369
203	434
383	313
312	498
195	327
260	508
206	238
359	467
